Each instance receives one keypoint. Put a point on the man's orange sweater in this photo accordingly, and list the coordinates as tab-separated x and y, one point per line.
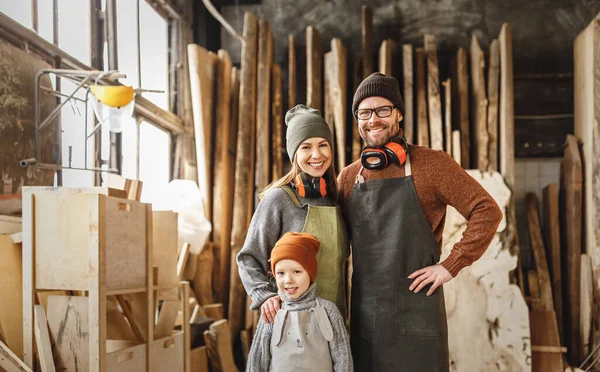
439	182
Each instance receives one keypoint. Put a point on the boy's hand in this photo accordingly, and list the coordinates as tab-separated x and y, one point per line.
435	274
270	308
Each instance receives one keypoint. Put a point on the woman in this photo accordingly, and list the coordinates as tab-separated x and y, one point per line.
304	200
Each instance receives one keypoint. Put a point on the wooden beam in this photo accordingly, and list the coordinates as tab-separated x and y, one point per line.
507	111
422	121
448	115
42	340
10	362
434	104
492	114
407	69
479	153
314	69
203	278
386	57
277	123
244	169
571	213
292	101
461	105
335	75
263	105
553	253
367	41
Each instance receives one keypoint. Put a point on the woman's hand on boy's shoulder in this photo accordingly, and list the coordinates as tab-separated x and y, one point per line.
270	308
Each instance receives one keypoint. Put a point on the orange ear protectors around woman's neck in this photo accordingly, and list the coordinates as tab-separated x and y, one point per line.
311	187
379	157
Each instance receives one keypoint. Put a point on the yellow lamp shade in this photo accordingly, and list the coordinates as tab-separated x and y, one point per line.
113	95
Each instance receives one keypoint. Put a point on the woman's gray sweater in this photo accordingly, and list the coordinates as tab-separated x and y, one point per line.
275	215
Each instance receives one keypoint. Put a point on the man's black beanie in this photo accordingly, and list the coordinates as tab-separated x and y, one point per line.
378	85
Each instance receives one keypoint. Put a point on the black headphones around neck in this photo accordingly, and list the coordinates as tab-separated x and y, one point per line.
394	152
311	187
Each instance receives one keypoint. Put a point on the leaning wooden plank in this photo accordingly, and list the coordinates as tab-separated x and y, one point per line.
386	56
407	69
214	311
460	100
263	105
184	254
456	146
422	121
10	362
479	153
164	236
586	56
203	65
69	331
10	224
223	174
544	333
42	339
492	114
571	213
552	239
336	78
537	245
244	169
277	124
199	359
367	41
203	279
356	140
133	189
434	103
135	324
166	318
327	110
587	303
11	294
314	69
117	327
291	72
448	115
507	111
218	340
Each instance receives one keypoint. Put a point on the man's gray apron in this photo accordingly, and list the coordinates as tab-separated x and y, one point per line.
392	328
300	341
327	225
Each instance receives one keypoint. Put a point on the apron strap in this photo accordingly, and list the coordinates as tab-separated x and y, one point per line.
292	195
323	322
407	171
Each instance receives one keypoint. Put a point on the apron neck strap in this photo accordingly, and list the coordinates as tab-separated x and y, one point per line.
407	171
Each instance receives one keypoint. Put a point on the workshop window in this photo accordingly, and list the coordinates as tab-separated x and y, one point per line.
155	160
20	11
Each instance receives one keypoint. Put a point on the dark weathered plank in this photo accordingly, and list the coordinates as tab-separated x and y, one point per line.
244	168
422	123
356	79
277	122
480	138
448	115
367	41
291	72
507	119
407	69
434	104
386	57
544	334
552	239
460	100
314	69
492	114
263	105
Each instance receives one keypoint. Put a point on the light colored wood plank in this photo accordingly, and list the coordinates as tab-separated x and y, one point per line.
492	114
199	359
407	70
356	140
461	105
587	303
69	332
166	318
42	340
314	69
335	76
456	146
263	105
214	311
292	101
244	169
277	147
507	111
553	253
203	278
386	57
480	138
117	327
187	344
10	362
537	245
448	115
544	332
571	212
167	354
11	294
434	104
422	120
126	359
135	324
164	237
367	41
202	67
10	225
184	254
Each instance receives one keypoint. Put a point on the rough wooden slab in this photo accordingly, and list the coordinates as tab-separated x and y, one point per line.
552	239
277	123
492	114
263	105
479	150
356	140
214	311
587	296
571	213
448	115
537	245
507	111
203	66
386	57
314	69
199	359
461	105
434	103
422	121
335	77
488	320
292	101
407	70
544	334
218	341
203	278
367	41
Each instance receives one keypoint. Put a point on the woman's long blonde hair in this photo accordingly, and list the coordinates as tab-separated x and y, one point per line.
285	180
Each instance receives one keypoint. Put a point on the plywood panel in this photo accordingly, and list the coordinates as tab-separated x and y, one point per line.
167	354
68	324
131	359
434	103
11	294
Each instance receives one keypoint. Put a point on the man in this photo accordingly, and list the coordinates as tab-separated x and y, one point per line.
394	200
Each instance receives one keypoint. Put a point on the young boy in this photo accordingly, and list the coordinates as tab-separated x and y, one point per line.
309	332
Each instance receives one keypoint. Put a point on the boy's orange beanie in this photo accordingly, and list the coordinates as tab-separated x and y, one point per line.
300	247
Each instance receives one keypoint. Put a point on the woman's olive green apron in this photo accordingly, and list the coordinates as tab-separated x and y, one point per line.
392	328
327	225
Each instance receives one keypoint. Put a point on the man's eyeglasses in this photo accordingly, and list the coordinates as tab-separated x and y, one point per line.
381	112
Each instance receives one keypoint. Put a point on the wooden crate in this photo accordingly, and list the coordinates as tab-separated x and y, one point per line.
167	353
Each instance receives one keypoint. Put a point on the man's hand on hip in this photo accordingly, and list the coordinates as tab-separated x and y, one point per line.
436	275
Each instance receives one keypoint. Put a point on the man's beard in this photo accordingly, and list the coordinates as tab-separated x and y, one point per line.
381	141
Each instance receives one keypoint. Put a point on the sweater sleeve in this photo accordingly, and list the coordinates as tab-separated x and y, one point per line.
253	258
259	357
461	191
339	347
